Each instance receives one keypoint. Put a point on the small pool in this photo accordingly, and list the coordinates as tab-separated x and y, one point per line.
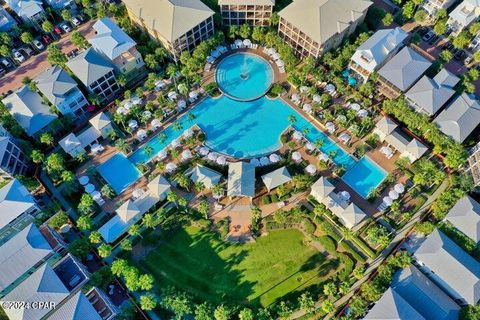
119	172
364	176
244	76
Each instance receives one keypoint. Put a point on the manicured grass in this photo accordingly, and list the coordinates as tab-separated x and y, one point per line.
255	274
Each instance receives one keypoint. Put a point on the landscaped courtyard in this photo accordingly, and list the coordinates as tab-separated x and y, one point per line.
258	273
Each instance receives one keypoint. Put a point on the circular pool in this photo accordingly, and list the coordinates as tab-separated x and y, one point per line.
244	76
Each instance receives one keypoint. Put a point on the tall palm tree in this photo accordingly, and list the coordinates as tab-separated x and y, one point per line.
177	126
183	181
122	146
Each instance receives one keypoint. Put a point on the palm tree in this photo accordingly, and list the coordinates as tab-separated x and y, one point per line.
204	208
162	137
148	151
217	191
149	220
183	181
172	197
190	116
122	146
318	143
177	126
292	119
199	186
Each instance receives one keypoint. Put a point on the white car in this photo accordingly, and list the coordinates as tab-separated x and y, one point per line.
75	21
38	45
66	28
17	55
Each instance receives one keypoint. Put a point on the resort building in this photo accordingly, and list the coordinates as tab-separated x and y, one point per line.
21	255
16	203
473	166
451	268
80	306
313	27
349	214
6	20
401	72
28	108
413	296
117	46
180	25
432	6
430	95
12	159
252	12
205	175
465	217
76	144
131	211
460	118
241	180
408	147
62	91
96	73
276	178
30	11
462	16
377	50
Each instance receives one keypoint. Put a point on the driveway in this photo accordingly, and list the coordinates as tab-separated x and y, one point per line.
36	64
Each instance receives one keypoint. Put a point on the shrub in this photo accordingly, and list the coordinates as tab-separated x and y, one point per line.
266	200
348	263
309	226
274	198
328	243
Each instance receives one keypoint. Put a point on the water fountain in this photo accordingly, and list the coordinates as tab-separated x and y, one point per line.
244	70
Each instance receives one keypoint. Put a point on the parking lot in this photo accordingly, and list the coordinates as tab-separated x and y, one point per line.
38	63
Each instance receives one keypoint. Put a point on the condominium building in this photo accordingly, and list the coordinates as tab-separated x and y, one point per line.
179	24
12	159
117	46
30	11
252	12
96	73
432	6
473	166
463	15
312	27
62	91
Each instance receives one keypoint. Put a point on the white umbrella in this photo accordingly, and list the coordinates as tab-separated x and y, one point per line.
393	194
264	161
247	42
141	134
307	108
221	161
362	113
133	124
345	195
296	156
122	110
156	123
255	162
162	154
329	125
341	118
387	201
170	167
344	137
84	180
210	59
238	43
181	104
160	83
172	95
309	146
330	88
323	157
276	56
271	51
400	188
137	193
311	169
188	133
96	195
295	97
280	63
204	151
274	158
175	143
147	114
212	156
297	135
193	95
355	106
128	105
96	148
186	154
303	89
89	188
136	100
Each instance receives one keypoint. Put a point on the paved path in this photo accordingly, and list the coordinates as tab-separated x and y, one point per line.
36	64
400	236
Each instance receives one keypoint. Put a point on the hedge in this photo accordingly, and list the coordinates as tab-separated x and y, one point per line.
349	265
328	243
309	226
370	253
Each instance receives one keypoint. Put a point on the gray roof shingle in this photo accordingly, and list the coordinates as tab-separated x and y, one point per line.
110	39
14	201
77	307
465	216
55	83
89	66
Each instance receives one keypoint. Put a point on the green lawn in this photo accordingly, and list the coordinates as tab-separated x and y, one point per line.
256	273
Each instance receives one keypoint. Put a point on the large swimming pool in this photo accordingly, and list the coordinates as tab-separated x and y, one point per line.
248	129
244	76
119	172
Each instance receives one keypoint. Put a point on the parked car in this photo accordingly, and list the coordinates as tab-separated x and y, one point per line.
468	60
57	30
75	21
38	44
17	55
46	38
428	36
65	27
433	39
73	53
5	63
459	55
422	31
2	71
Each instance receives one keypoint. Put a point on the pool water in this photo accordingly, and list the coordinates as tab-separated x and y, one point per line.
119	172
365	176
244	76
